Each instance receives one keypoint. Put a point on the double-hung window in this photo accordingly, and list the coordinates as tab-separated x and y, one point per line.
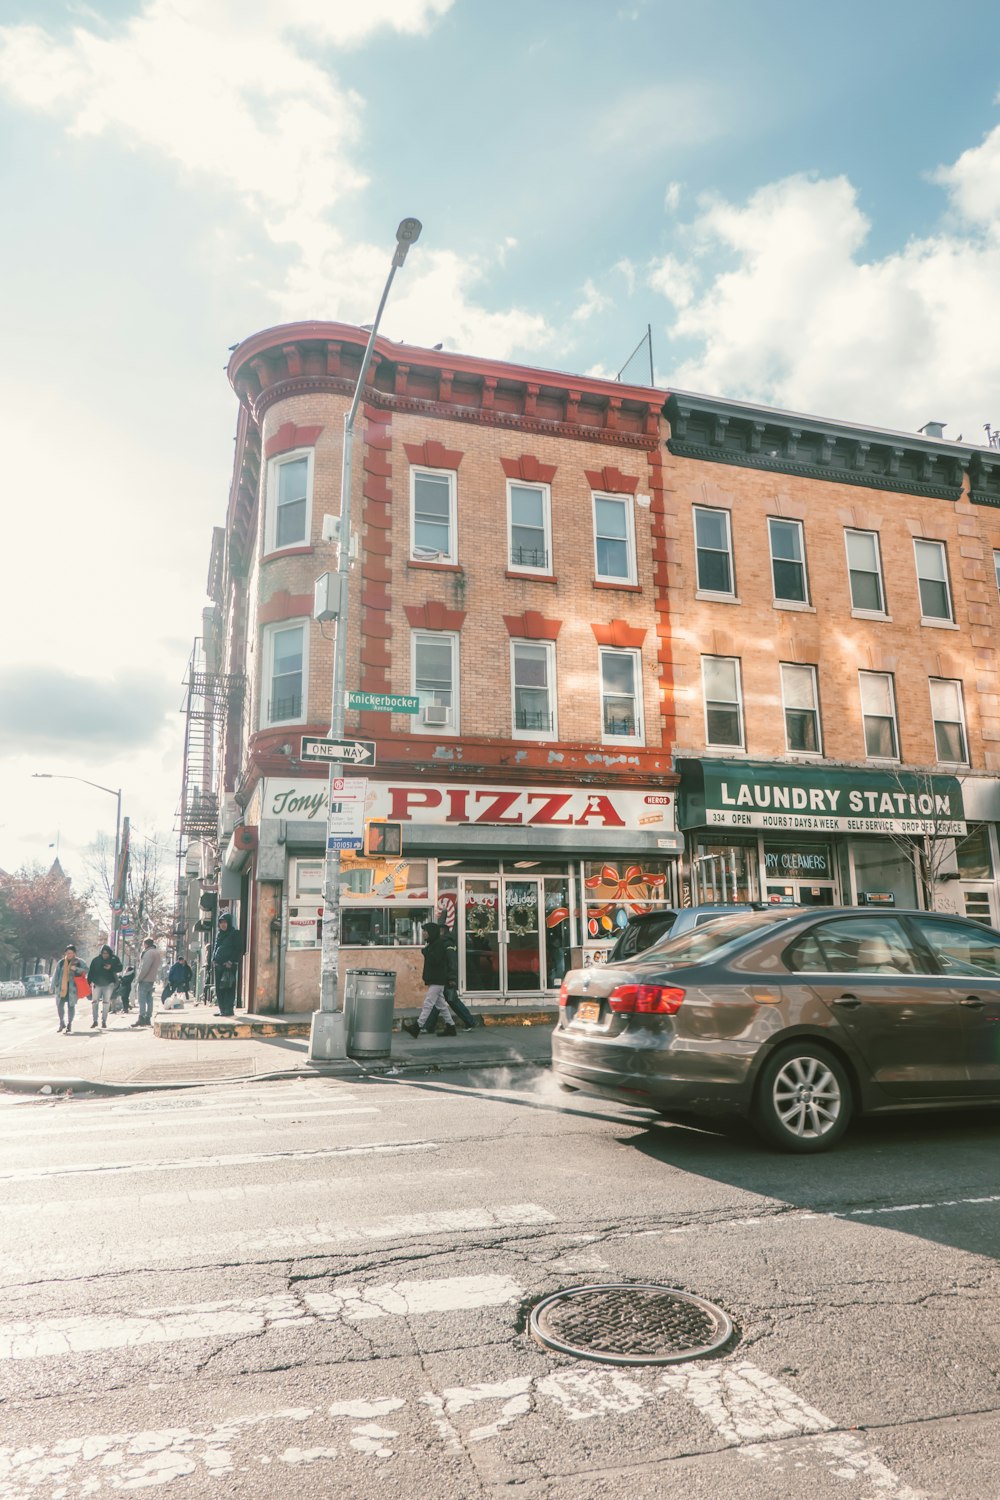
948	713
932	579
621	697
435	681
614	539
878	709
289	501
801	700
533	682
723	700
864	564
788	560
285	674
528	509
434	528
713	551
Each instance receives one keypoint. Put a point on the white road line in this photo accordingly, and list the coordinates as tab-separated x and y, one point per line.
295	1239
315	1187
158	1122
253	1315
198	1163
764	1421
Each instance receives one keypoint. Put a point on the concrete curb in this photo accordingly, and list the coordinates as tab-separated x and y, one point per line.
247	1027
25	1084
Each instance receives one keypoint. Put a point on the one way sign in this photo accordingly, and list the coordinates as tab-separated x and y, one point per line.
355	752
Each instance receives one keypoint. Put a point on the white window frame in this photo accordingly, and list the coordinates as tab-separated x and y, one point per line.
777	598
862	609
996	567
725	745
271	518
881	759
452	638
545	491
535	734
639	737
267	678
702	591
627	503
949	618
955	682
802	666
449	474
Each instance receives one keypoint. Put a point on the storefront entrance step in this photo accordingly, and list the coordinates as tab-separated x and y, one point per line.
194	1027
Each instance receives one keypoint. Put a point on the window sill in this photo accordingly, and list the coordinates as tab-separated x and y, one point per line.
870	614
729	749
798	605
938	624
712	598
621	587
434	567
530	577
303	550
623	744
549	738
875	760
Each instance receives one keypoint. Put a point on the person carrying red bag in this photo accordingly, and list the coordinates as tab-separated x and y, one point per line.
68	971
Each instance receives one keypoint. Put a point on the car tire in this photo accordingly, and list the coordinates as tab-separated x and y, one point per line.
804	1100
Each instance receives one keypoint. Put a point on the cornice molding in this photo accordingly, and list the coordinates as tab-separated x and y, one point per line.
752	437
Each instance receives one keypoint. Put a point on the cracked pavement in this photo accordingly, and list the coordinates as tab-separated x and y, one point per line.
319	1309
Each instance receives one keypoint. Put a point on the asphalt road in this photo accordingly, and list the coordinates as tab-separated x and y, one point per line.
320	1288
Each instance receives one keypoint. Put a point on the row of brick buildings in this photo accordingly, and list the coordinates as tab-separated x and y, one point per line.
665	648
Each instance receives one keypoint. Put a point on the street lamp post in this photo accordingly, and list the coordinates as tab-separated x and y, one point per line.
327	1036
117	794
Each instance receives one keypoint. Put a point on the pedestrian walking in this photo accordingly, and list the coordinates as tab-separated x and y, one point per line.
101	977
455	1004
179	979
123	986
226	957
435	953
145	978
67	971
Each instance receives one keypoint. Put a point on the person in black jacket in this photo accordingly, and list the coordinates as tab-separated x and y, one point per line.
435	977
123	987
226	957
461	1010
101	977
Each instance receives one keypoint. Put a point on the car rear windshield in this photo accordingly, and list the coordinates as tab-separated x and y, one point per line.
710	941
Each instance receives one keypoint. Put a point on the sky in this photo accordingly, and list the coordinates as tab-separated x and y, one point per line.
802	202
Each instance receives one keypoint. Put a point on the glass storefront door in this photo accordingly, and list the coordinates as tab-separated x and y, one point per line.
502	942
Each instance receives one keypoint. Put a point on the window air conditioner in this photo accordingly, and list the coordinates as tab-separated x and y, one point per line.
437	714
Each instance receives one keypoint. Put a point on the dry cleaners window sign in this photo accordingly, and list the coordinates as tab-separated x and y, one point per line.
827	801
428	802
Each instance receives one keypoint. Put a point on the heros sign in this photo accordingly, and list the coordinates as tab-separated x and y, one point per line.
828	801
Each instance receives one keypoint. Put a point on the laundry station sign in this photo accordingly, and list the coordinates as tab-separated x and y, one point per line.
822	800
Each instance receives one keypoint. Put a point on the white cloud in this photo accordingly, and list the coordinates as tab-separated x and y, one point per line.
672	197
593	302
654	117
974	182
777	302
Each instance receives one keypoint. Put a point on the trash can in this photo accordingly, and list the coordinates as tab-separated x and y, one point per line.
369	998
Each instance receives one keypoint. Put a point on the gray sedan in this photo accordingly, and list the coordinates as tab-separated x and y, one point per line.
795	1021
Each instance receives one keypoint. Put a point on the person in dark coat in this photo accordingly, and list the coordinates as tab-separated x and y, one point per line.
226	957
435	953
179	979
101	977
123	986
451	995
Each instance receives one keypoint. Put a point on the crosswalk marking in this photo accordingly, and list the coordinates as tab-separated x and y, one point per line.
199	1163
766	1423
27	1135
242	1317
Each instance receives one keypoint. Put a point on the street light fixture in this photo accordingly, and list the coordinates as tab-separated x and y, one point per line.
117	794
327	1035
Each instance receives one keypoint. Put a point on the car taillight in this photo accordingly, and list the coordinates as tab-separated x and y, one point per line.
646	999
563	993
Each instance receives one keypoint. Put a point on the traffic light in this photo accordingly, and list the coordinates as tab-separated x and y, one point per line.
384	840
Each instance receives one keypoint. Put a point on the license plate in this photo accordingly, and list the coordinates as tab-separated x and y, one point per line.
588	1010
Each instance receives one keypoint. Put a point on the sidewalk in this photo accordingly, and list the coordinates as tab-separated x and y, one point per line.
198	1048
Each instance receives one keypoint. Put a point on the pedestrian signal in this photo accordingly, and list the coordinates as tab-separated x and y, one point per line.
384	840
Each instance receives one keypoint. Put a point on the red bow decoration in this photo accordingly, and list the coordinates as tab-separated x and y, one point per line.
623	884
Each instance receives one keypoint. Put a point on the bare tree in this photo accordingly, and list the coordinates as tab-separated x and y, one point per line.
41	913
149	895
941	834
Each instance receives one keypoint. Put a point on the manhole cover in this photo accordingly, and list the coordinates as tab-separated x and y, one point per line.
630	1324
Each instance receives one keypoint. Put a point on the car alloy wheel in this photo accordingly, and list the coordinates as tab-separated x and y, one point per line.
804	1100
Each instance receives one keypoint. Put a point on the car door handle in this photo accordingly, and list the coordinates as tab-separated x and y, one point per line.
972	1001
847	1002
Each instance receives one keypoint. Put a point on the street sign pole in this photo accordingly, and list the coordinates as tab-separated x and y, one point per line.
328	1035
